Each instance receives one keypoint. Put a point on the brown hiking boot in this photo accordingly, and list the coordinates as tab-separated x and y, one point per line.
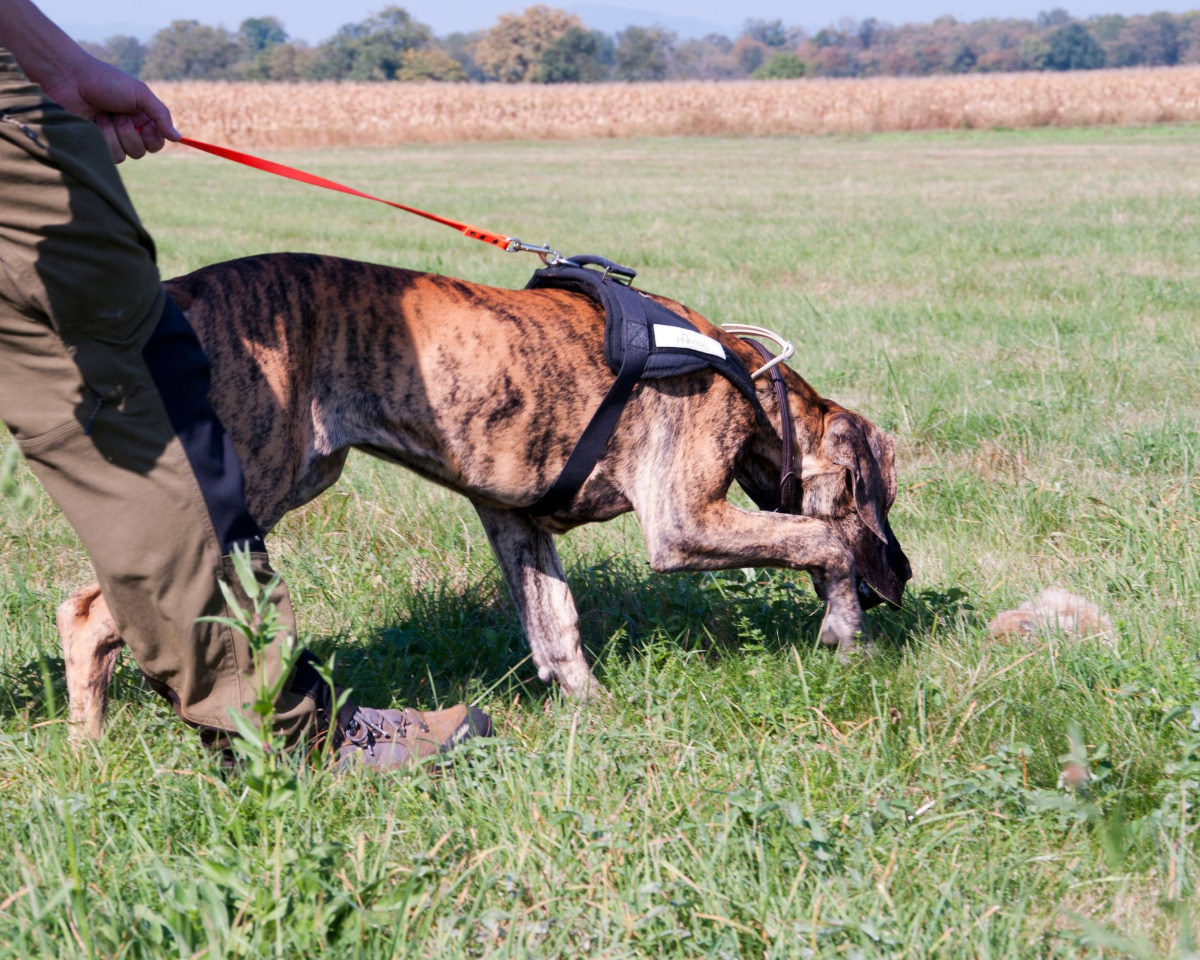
394	739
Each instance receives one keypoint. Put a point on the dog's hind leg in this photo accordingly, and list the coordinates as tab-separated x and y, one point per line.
91	645
539	588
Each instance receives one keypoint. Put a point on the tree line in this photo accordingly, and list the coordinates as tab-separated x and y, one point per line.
547	45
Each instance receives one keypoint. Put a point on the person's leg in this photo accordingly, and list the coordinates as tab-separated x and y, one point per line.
104	387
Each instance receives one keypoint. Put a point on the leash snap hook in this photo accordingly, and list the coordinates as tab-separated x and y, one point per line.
549	256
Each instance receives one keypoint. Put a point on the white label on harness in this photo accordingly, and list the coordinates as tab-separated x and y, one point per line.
682	339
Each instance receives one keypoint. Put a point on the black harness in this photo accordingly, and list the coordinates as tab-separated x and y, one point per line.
642	340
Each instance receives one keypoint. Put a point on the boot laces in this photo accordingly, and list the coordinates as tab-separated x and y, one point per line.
364	730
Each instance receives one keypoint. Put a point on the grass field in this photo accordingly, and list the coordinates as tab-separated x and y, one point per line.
1019	308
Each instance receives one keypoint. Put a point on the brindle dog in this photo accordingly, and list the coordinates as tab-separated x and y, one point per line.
486	391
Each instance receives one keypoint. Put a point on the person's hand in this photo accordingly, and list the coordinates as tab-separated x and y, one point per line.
133	120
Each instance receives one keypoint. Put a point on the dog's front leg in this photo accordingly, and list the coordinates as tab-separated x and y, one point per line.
91	645
721	536
539	588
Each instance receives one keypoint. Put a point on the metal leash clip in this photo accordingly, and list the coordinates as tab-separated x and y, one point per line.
549	256
745	329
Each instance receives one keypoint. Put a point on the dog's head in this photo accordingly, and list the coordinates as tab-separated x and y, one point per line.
850	480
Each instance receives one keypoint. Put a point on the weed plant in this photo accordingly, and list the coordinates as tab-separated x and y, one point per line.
1019	309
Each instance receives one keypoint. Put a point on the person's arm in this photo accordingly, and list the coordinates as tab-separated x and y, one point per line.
132	119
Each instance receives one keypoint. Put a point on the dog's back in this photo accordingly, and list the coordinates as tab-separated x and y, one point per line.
480	388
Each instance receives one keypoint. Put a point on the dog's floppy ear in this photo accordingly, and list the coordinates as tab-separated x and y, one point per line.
847	445
884	448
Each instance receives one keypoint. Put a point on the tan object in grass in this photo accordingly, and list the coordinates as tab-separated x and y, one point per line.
1054	609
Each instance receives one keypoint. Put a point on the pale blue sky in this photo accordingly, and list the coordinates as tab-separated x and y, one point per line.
314	20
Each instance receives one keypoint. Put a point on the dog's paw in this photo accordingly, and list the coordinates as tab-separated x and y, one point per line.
594	692
91	644
575	680
860	651
839	630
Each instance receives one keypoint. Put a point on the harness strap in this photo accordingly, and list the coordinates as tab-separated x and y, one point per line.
595	435
789	478
643	340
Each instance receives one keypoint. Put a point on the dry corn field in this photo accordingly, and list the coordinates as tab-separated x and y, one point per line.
355	114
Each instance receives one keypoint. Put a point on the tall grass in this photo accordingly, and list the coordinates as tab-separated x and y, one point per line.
1019	308
359	114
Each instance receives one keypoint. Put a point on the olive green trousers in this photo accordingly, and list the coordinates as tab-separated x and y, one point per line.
80	298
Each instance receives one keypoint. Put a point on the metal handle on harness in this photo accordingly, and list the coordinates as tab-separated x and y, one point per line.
746	329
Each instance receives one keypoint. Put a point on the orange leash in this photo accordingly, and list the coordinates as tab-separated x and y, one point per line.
506	243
